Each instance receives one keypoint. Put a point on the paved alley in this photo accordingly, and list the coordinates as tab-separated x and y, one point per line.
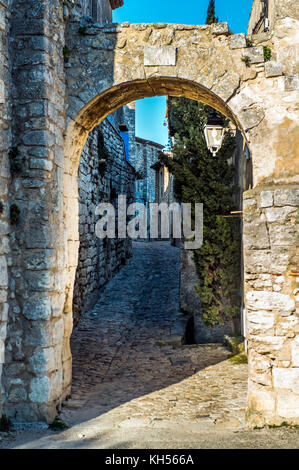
135	385
128	356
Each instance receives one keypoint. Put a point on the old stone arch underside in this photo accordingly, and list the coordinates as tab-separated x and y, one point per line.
109	66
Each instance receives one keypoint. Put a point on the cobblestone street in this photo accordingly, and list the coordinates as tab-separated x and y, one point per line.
128	357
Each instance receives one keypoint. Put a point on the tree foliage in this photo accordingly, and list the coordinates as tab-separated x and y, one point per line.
200	177
211	17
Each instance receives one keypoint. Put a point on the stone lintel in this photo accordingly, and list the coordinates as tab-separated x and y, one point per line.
159	55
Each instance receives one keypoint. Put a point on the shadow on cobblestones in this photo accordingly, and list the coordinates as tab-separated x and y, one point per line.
128	353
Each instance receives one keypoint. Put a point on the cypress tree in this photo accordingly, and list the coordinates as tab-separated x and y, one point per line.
211	18
200	177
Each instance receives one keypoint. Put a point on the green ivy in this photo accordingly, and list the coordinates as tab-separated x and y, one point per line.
200	177
66	52
82	30
15	161
247	60
267	53
14	214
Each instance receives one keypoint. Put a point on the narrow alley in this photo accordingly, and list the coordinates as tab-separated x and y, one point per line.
128	355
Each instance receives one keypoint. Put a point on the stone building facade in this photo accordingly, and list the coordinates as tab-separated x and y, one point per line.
100	179
49	106
147	154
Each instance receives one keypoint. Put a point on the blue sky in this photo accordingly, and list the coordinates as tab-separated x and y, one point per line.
150	112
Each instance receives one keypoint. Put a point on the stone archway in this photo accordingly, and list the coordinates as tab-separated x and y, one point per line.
108	66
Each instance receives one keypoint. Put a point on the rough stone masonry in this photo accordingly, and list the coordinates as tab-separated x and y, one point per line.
60	76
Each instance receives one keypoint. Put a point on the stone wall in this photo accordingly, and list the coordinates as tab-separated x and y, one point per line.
271	254
100	182
33	373
147	153
64	83
5	145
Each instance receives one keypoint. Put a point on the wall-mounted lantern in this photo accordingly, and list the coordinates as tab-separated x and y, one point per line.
214	133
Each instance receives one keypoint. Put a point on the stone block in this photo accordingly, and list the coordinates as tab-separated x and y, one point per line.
286	197
2	352
40	389
288	406
3	330
46	360
17	395
279	214
3	273
257	261
37	308
273	69
264	300
255	234
56	384
41	164
280	258
264	319
220	28
58	330
39	280
4	312
159	55
291	83
237	41
261	401
286	378
255	54
38	237
251	117
266	199
283	235
295	352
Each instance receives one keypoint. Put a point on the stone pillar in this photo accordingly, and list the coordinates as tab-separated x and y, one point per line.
5	146
271	255
33	375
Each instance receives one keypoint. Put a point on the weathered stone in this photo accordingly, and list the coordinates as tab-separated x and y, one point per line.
159	55
17	395
275	214
220	28
3	272
263	300
295	352
288	406
40	389
266	199
286	197
286	378
273	69
262	318
252	117
291	83
237	41
37	309
255	54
